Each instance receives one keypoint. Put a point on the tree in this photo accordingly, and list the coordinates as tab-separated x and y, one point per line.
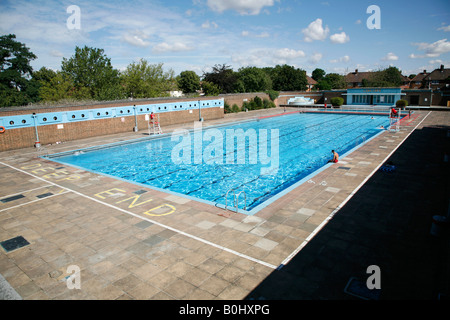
318	74
389	77
223	77
331	81
90	68
188	81
288	78
210	89
254	79
336	81
16	85
144	80
323	85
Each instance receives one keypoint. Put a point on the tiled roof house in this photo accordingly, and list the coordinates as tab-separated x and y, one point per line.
437	79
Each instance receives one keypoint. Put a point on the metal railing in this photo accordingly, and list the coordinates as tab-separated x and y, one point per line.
236	199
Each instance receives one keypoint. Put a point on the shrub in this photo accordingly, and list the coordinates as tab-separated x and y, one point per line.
273	94
401	103
337	101
258	102
235	108
226	107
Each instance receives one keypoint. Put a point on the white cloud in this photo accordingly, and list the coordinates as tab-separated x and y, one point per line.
243	7
137	38
315	31
246	33
316	57
432	50
288	54
264	57
445	28
345	59
342	59
390	57
340	38
209	25
263	35
56	53
174	47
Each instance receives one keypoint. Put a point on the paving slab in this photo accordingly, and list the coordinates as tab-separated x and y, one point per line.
132	242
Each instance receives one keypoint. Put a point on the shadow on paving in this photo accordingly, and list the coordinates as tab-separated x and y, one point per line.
387	223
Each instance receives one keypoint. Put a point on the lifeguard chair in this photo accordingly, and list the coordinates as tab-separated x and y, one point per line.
394	120
153	124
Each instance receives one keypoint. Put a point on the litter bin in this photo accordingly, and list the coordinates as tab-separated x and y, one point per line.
439	226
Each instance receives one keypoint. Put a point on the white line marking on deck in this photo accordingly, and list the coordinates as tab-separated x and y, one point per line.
319	227
15	194
149	220
24	204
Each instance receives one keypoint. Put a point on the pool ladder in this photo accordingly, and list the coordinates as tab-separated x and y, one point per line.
236	199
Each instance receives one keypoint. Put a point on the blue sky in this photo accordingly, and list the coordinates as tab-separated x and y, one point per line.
197	34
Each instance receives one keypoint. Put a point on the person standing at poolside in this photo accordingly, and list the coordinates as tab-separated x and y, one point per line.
335	157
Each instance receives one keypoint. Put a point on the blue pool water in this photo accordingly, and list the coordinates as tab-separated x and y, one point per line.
303	145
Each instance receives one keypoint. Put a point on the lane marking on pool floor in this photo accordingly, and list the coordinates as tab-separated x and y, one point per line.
147	219
333	213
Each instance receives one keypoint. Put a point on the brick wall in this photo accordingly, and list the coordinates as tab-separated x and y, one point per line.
239	99
25	137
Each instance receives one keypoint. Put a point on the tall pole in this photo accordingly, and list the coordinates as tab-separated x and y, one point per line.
199	112
135	119
37	144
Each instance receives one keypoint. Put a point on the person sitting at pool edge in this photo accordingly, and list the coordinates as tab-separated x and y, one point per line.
335	157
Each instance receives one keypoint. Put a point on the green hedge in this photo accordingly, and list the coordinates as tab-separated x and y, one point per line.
401	103
337	101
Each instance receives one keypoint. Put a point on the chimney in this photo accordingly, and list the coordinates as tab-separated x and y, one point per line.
356	71
424	71
442	67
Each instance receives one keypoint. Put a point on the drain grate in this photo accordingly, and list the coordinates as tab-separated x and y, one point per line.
14	243
358	288
44	195
140	192
19	196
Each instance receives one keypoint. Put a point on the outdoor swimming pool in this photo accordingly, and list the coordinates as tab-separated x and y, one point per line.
261	157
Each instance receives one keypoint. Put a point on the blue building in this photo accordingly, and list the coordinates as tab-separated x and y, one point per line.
373	96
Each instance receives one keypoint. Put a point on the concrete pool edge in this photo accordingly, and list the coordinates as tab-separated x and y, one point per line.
54	157
199	213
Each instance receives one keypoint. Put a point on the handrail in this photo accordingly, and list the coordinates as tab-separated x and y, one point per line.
236	200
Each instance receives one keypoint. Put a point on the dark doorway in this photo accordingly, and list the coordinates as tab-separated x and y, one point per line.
414	100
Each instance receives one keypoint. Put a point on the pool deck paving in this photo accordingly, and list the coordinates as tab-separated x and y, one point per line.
133	242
